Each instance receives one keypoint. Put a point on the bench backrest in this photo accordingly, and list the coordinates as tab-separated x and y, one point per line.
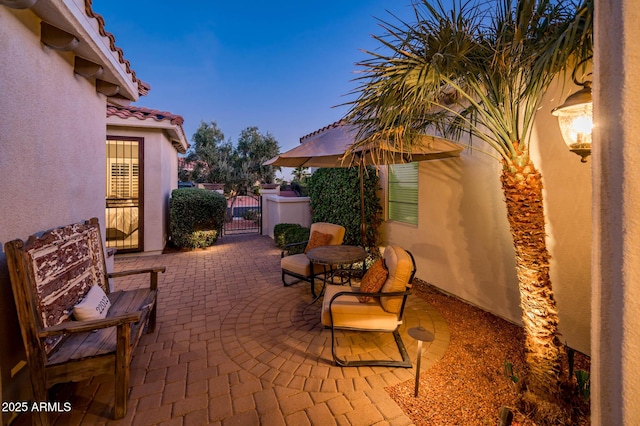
52	272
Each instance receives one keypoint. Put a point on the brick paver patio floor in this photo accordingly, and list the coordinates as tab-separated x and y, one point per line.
233	346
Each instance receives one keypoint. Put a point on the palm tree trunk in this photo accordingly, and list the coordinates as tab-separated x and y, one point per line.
522	186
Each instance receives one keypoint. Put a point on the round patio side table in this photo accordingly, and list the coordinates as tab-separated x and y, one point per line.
421	334
330	256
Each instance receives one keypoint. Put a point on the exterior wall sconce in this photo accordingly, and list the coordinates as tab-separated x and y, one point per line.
575	117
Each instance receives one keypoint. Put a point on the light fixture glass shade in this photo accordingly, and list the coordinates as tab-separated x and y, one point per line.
575	117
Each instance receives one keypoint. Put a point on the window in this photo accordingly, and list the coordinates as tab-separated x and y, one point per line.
403	193
123	181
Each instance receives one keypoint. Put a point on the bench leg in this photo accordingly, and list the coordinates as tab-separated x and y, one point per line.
41	417
151	325
123	355
40	394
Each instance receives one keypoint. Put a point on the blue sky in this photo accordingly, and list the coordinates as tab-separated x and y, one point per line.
281	66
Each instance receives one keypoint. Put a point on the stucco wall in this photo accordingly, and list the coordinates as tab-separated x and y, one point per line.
51	162
160	178
615	367
462	243
567	196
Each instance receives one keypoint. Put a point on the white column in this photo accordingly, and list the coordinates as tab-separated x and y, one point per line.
264	192
615	334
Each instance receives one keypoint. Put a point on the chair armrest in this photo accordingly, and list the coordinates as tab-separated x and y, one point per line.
287	247
365	293
83	326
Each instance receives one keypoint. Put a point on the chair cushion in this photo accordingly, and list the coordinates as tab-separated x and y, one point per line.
400	267
348	312
95	305
299	264
373	280
336	231
318	239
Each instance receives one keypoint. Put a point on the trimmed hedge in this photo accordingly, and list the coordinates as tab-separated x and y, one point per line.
280	230
335	198
196	217
287	233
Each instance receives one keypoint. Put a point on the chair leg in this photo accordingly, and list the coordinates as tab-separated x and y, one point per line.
285	283
405	363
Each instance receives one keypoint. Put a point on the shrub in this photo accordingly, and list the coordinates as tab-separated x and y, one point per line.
335	198
196	217
280	229
296	235
250	214
288	233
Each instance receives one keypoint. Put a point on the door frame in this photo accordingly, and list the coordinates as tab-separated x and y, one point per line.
140	140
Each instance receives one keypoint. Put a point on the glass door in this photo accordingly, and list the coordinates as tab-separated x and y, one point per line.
124	194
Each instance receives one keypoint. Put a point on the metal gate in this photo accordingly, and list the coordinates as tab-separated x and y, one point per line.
244	215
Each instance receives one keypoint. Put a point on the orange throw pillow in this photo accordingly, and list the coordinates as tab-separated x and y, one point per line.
318	239
373	280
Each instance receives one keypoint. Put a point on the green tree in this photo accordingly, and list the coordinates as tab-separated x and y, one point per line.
481	69
301	174
252	150
210	154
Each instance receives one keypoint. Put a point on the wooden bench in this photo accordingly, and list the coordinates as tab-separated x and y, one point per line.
50	274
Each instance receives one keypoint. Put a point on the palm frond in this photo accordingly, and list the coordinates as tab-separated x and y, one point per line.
480	68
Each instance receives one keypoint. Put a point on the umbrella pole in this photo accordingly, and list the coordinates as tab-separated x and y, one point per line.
363	225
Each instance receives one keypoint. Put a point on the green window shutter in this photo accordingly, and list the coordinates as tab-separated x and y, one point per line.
403	193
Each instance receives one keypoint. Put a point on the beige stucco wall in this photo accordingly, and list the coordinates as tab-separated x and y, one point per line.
284	210
52	154
615	366
462	242
160	178
568	198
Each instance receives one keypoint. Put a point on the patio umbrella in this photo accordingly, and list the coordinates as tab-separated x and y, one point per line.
328	147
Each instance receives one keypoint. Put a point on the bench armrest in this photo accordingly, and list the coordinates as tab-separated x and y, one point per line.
289	246
161	269
83	326
153	278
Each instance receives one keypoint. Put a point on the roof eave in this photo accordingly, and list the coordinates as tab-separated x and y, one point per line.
113	76
174	132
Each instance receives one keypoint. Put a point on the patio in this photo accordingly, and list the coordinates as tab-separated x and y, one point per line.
234	347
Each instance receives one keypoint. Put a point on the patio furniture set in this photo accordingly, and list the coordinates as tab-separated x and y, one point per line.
74	328
377	304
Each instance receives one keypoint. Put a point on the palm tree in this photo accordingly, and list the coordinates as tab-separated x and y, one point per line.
479	71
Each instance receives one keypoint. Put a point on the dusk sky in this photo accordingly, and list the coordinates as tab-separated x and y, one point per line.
281	66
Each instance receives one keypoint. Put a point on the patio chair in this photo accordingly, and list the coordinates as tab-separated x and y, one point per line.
298	265
342	308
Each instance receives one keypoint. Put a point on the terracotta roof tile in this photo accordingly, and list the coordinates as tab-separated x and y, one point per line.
142	113
143	88
181	145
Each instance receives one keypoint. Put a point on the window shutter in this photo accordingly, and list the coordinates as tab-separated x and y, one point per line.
403	193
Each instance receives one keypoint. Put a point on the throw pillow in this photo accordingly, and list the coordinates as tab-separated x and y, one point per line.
95	305
318	239
373	280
